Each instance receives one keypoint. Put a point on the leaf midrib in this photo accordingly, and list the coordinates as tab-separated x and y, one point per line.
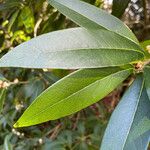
100	26
140	93
78	91
92	48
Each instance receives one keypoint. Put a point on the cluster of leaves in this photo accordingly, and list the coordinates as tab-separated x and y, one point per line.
19	87
106	52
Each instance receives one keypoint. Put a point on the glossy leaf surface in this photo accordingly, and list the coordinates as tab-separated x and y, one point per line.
91	17
72	49
73	93
129	126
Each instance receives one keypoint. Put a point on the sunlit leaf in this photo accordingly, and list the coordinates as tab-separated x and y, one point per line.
27	19
91	17
72	49
73	93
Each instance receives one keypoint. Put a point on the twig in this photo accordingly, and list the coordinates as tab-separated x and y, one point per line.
76	121
41	17
55	132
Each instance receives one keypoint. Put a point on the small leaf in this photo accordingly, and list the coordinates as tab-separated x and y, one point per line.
146	46
13	19
72	49
147	79
8	4
7	144
73	93
2	98
2	78
27	19
119	7
129	126
91	17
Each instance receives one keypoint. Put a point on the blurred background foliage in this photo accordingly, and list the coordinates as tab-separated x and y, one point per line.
21	20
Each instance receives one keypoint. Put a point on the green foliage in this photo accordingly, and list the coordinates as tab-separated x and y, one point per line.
80	13
119	7
27	18
102	46
85	88
147	79
75	48
130	123
2	98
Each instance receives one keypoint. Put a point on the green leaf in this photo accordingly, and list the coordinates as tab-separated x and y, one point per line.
144	45
27	19
119	7
129	126
7	143
2	78
13	19
91	17
147	79
72	49
2	98
73	93
9	4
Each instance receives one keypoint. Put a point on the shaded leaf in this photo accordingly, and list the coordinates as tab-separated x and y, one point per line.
119	7
33	89
72	49
129	126
7	144
91	17
2	98
13	19
147	79
2	78
73	93
8	4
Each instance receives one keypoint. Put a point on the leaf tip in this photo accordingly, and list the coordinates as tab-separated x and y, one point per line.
16	125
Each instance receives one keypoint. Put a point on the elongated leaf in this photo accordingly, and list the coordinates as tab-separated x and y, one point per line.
7	143
72	49
13	19
147	79
119	7
91	17
9	4
2	93
2	98
129	126
73	93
